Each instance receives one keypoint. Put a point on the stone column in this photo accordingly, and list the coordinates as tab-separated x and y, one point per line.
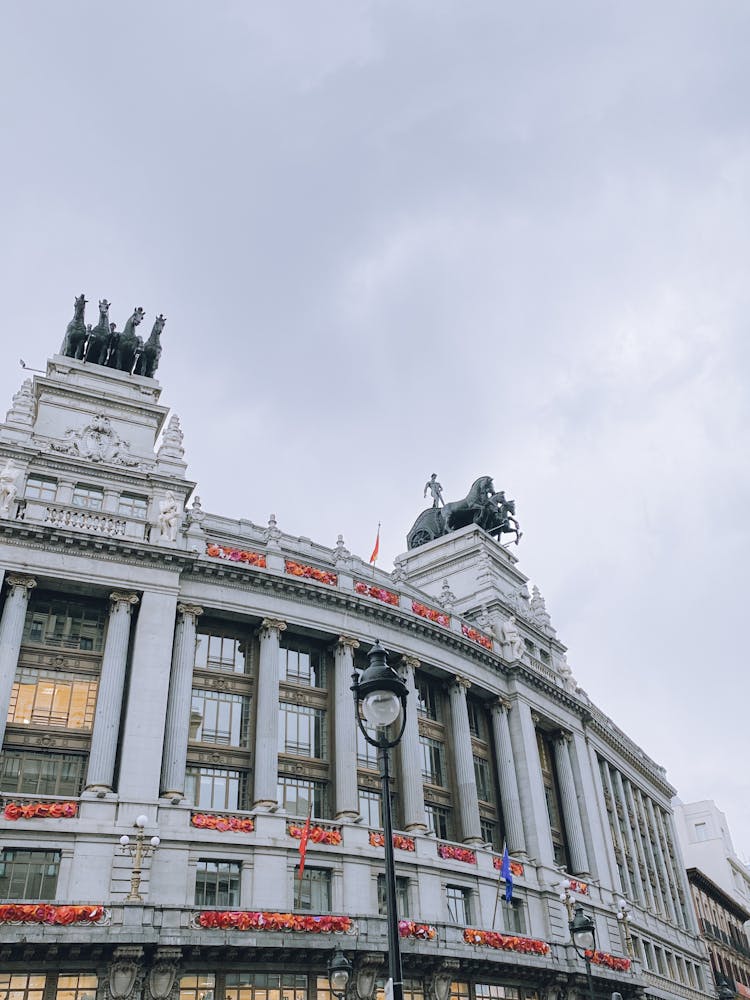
638	894
536	822
410	755
573	826
607	836
657	890
666	882
681	874
648	889
11	633
345	730
468	801
177	728
266	761
620	846
506	774
106	730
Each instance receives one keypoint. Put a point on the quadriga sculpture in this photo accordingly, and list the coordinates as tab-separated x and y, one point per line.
98	338
149	359
129	344
75	334
103	345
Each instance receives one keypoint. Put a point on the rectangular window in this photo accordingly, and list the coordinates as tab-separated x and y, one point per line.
40	488
459	904
493	991
429	699
302	731
41	774
314	894
217	883
367	754
224	718
660	966
89	497
131	505
250	985
370	808
201	987
65	624
514	917
552	796
477	719
76	986
433	761
438	820
220	652
489	831
19	986
483	778
302	665
52	698
402	896
296	794
216	788
701	831
28	874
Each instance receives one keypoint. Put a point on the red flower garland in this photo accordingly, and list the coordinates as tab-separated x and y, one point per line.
440	617
610	961
318	834
408	928
265	921
457	853
516	868
580	887
45	913
399	840
310	572
379	593
505	942
40	810
471	633
235	555
235	824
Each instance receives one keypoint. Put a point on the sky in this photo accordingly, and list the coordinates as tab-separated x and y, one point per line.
413	236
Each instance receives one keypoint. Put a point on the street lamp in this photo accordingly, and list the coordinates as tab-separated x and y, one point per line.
725	991
623	915
379	696
339	973
138	851
583	936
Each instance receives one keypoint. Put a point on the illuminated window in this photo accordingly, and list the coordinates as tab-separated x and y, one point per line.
52	698
76	986
217	883
198	987
40	488
15	986
224	718
28	874
89	497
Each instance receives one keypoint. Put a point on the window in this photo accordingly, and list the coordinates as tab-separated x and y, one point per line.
295	795
429	699
28	874
15	986
302	731
40	773
661	968
494	991
52	698
216	787
514	917
402	896
224	718
433	761
701	831
438	820
66	624
40	488
90	497
302	665
544	656
459	908
489	832
477	719
131	505
198	987
259	986
367	754
314	894
483	778
369	808
413	989
220	652
552	795
76	986
217	883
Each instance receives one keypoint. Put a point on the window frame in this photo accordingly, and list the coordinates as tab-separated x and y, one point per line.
45	859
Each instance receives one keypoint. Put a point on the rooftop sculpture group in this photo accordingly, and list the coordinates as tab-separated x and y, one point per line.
481	506
104	345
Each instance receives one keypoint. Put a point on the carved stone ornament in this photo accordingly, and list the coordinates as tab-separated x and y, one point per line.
124	972
26	582
97	442
441	985
447	598
21	412
272	534
171	443
161	978
341	554
365	975
8	485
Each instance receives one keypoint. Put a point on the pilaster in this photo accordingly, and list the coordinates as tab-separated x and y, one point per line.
177	729
410	758
266	761
11	634
468	803
506	772
345	730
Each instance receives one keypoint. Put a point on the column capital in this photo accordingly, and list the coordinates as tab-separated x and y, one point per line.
17	580
271	625
347	642
124	597
460	683
189	610
500	706
410	662
562	736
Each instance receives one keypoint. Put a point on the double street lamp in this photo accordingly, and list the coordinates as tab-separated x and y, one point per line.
583	936
380	697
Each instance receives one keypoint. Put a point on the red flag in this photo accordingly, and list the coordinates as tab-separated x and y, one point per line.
376	549
303	842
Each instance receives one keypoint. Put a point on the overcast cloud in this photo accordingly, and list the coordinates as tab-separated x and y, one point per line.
403	237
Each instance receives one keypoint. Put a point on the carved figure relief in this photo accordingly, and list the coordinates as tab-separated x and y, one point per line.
170	513
97	442
8	485
510	640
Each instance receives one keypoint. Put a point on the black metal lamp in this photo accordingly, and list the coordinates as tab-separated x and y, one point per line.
583	936
725	991
339	972
380	696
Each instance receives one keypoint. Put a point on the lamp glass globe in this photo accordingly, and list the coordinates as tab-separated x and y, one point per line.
381	708
140	821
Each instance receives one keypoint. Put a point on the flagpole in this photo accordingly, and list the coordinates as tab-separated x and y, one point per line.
497	894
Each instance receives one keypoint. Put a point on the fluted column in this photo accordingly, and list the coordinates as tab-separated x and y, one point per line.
507	778
11	633
573	826
638	896
468	800
177	726
345	730
106	730
267	715
640	846
410	756
660	858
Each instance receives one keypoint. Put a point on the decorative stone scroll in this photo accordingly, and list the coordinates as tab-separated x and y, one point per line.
96	442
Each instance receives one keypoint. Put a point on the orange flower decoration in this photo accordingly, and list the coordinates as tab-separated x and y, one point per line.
471	633
610	961
40	810
505	942
379	593
457	853
439	617
310	572
267	921
235	824
235	555
318	834
399	840
46	913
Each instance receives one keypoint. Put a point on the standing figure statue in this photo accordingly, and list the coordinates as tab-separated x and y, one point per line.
8	486
511	641
169	517
435	489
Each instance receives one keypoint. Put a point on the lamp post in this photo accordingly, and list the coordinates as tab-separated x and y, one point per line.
583	936
725	991
623	916
380	696
339	973
138	851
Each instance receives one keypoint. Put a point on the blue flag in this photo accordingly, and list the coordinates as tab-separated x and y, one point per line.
507	875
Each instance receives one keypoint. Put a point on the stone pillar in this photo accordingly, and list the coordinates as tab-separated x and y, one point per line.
345	731
177	729
573	827
468	802
666	882
506	774
410	755
106	730
530	784
620	846
657	890
11	633
638	894
266	761
639	837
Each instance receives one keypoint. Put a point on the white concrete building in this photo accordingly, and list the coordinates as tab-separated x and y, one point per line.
703	832
161	661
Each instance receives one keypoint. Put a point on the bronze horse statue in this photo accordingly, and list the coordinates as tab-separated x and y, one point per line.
75	333
98	338
129	344
148	361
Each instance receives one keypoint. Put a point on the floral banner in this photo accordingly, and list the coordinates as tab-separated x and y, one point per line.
235	555
457	853
379	593
399	840
40	810
580	887
265	921
235	824
506	942
471	633
408	928
318	834
310	572
45	913
516	868
440	617
610	961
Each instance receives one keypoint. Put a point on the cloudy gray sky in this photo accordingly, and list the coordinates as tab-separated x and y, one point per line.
403	237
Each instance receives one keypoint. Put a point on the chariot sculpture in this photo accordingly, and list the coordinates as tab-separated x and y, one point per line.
481	506
104	345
